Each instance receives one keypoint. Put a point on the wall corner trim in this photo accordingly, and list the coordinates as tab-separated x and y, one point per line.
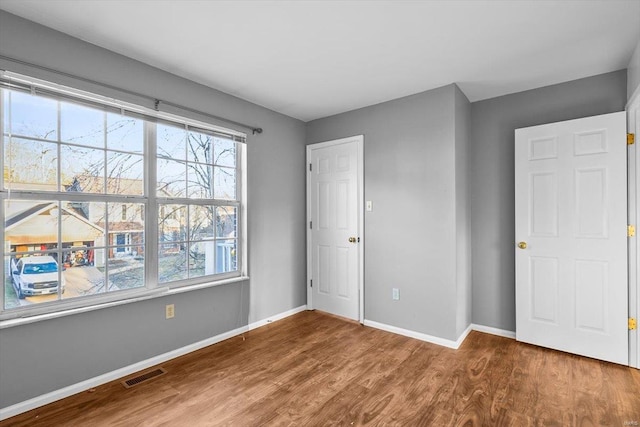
419	335
493	331
38	401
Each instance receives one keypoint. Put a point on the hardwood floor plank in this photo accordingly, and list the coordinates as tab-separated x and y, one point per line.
318	369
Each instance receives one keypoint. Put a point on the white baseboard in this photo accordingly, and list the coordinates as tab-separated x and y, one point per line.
493	331
441	341
277	317
419	335
36	402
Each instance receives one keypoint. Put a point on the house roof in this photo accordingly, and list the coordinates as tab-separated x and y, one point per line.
38	224
115	185
120	226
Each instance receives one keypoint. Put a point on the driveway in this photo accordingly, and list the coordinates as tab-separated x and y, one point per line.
80	281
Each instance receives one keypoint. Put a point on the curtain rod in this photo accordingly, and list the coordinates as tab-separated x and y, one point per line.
156	101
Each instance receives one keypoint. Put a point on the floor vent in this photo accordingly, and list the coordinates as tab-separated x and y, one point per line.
146	376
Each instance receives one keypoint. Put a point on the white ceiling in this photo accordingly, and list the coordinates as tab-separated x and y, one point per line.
311	59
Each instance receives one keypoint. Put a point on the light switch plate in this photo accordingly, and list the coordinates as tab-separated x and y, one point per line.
369	205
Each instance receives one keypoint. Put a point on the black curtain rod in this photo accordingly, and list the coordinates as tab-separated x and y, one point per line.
156	101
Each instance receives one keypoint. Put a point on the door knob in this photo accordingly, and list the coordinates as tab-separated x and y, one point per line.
522	245
352	239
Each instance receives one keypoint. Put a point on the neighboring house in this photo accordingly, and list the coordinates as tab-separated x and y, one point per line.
125	220
34	227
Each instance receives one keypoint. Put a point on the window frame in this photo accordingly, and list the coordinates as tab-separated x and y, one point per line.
149	200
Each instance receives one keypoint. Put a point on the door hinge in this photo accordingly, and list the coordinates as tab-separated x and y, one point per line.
631	230
631	139
310	167
311	225
311	283
633	325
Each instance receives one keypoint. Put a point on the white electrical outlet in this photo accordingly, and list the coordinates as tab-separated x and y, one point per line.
170	311
395	294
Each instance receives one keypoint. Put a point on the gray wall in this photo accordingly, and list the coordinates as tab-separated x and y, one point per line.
633	72
492	174
410	236
45	356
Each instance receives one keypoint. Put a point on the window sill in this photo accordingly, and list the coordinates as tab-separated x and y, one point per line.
150	294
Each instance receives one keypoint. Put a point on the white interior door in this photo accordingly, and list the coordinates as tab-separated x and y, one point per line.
571	213
334	210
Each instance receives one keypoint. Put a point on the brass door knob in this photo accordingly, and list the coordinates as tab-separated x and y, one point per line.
522	245
352	239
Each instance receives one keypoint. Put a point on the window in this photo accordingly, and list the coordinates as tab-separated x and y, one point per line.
196	237
79	174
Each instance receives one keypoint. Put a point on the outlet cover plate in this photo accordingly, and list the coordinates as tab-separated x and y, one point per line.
170	311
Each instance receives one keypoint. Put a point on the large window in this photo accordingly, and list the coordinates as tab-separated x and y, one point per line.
101	200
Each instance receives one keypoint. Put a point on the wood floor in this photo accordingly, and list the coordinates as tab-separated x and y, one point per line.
315	369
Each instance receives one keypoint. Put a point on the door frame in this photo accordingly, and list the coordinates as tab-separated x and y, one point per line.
359	140
633	126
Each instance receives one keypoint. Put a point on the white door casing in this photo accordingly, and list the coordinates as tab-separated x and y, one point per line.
633	126
571	212
335	227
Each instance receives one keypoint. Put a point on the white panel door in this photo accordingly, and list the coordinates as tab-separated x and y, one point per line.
334	210
571	236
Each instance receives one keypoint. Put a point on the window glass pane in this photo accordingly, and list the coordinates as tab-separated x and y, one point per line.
200	181
30	225
200	148
82	169
224	183
81	125
125	133
171	142
126	227
82	276
226	221
200	222
172	262
5	95
172	225
30	165
126	266
226	256
172	179
82	228
34	116
125	173
224	152
11	299
201	258
34	278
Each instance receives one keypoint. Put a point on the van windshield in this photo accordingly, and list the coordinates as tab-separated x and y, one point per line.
49	267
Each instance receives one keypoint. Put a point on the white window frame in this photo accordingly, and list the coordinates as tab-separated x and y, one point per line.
149	200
